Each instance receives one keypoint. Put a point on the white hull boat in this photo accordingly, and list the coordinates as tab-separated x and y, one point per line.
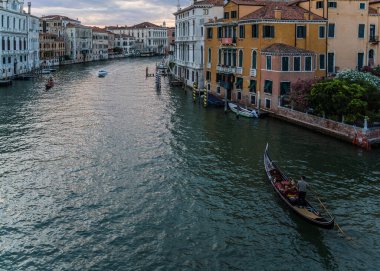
242	111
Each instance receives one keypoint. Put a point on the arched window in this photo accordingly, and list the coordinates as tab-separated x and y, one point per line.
209	55
219	57
240	58
9	44
254	59
201	54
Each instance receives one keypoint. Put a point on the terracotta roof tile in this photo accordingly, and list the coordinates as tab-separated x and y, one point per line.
280	48
372	10
145	25
287	12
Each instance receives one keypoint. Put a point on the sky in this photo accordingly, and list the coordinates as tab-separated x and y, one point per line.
110	12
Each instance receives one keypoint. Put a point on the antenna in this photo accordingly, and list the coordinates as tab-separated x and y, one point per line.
178	6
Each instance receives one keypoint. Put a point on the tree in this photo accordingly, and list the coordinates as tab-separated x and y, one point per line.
299	94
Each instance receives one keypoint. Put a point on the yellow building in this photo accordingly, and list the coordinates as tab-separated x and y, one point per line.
259	49
353	32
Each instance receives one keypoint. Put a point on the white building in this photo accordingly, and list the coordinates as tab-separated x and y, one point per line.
19	42
99	44
189	39
149	38
126	43
78	42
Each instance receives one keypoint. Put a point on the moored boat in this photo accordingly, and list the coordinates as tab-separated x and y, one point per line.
49	84
286	190
242	111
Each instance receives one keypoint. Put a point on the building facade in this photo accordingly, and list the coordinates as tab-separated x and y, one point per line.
18	53
259	49
126	43
352	32
99	44
78	42
189	39
52	49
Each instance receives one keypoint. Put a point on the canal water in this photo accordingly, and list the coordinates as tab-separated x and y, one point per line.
110	174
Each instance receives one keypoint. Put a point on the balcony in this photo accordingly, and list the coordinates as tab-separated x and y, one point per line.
374	39
239	70
228	41
225	69
252	72
208	65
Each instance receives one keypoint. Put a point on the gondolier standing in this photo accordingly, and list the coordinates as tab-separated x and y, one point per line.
302	189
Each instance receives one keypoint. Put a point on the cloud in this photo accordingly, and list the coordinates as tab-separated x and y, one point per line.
109	12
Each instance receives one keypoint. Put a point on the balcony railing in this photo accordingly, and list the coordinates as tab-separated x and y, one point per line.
228	41
374	39
239	70
252	72
226	69
208	65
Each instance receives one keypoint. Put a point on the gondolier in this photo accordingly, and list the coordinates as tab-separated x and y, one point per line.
302	186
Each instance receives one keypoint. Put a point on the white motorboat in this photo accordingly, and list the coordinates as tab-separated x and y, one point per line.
242	111
102	73
45	71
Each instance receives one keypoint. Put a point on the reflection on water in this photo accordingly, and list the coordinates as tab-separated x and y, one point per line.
110	174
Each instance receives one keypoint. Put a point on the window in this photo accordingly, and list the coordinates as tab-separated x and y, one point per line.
331	63
209	55
218	90
208	76
205	12
255	31
331	30
332	4
362	6
242	31
284	88
240	58
269	63
360	61
321	31
268	86
239	95
233	14
297	64
239	83
307	63
268	31
319	4
209	33
301	31
252	86
220	31
226	15
254	60
253	99
361	31
322	60
285	63
267	103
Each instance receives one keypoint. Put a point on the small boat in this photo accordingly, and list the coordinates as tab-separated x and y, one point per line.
212	100
49	84
242	111
52	70
45	71
102	73
289	195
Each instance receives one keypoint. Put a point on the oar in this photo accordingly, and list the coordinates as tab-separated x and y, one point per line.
324	207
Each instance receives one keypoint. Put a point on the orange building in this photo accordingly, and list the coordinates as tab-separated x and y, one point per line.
260	48
52	49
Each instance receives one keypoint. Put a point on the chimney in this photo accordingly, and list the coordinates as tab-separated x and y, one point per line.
277	13
29	7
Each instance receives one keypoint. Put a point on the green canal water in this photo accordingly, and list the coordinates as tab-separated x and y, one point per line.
110	174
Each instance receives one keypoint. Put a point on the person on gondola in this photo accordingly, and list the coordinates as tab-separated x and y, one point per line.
302	186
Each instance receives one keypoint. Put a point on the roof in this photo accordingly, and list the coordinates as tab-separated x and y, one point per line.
249	2
280	48
98	30
200	4
145	25
288	12
116	27
70	25
57	17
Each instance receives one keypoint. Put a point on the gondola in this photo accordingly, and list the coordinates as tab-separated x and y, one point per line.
280	181
242	111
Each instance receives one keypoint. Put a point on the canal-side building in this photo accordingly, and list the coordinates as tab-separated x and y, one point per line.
18	53
111	44
99	43
126	43
56	24
33	42
352	32
52	49
189	39
259	49
78	42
